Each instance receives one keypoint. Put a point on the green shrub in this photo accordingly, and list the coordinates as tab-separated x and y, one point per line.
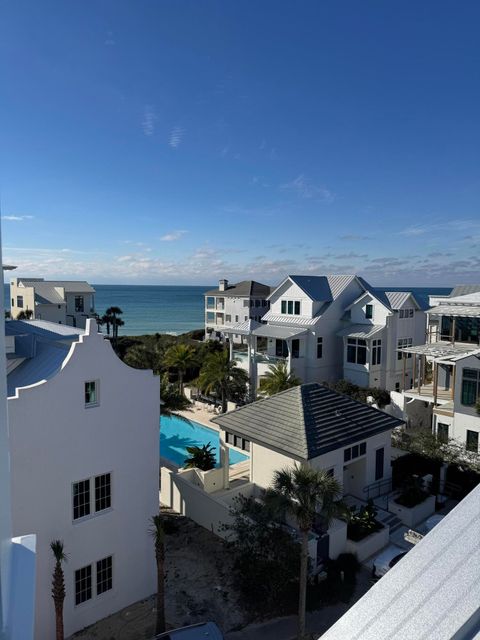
413	493
363	522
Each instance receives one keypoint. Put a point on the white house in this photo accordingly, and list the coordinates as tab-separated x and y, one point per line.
380	323
61	301
307	425
329	327
446	374
234	303
85	464
17	555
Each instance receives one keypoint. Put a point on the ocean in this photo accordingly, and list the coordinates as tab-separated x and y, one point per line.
175	309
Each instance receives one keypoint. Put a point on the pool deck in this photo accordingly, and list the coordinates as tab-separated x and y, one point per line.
201	415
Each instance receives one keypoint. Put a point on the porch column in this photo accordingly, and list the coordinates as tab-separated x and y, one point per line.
420	372
454	324
404	359
230	346
225	463
414	371
454	375
435	383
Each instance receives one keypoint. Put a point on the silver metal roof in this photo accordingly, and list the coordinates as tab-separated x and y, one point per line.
70	286
323	288
271	331
455	310
290	319
397	299
364	331
433	593
46	361
241	328
306	421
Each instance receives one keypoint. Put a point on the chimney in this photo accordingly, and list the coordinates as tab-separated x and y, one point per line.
222	285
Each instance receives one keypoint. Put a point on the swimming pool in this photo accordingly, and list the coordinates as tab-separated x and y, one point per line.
176	435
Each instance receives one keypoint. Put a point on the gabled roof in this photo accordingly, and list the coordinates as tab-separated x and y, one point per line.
466	299
70	286
392	300
361	330
464	289
321	288
306	421
246	288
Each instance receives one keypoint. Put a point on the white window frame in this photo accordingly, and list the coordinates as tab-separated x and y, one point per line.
97	393
91	485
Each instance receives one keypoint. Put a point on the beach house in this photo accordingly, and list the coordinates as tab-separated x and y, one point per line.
84	467
329	327
445	389
68	302
231	304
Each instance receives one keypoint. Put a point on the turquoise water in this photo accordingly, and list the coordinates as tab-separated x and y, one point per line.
172	309
176	435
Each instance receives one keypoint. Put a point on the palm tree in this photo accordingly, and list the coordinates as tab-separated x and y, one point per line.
221	375
158	533
107	321
58	586
202	458
25	315
277	379
180	357
306	492
171	400
112	314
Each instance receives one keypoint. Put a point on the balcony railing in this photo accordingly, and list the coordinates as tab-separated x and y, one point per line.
242	356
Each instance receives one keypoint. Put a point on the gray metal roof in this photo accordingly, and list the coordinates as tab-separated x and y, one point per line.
306	421
455	310
271	331
433	593
42	328
323	288
364	331
463	289
45	293
397	299
70	286
46	361
246	288
241	328
290	319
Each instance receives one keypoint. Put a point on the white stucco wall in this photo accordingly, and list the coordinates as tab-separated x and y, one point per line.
55	441
264	463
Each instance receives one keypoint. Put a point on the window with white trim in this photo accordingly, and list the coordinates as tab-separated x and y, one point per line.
81	499
104	575
376	351
406	313
354	452
290	307
20	302
403	343
237	441
92	495
79	304
91	393
369	311
83	584
356	351
103	492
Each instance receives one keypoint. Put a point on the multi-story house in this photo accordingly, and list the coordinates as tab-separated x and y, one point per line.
330	327
61	301
446	377
17	555
380	323
233	304
84	453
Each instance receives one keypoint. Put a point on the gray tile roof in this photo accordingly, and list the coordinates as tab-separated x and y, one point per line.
246	288
433	593
306	421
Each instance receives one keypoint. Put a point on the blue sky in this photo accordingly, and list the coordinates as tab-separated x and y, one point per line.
177	142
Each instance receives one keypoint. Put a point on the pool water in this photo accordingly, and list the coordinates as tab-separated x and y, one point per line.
176	435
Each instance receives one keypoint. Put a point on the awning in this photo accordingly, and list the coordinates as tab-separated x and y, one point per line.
455	310
283	333
363	331
240	328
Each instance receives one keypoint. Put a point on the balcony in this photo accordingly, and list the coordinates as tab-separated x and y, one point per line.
426	392
242	357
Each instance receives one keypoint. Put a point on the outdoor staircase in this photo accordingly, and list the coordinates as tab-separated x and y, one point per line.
383	515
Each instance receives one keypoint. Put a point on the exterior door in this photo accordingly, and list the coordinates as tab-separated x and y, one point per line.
379	463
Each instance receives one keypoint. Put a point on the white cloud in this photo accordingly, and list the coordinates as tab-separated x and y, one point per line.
176	137
148	120
304	188
173	235
17	218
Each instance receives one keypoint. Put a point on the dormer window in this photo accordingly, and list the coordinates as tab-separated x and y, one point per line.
291	307
369	311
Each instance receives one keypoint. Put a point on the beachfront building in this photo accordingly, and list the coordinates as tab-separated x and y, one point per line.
329	327
17	555
306	425
85	464
380	323
445	389
62	301
232	304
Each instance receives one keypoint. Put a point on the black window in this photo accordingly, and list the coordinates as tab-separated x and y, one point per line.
20	302
376	351
245	444
103	492
104	575
83	584
284	306
81	499
472	441
91	395
290	307
355	451
319	347
297	307
470	386
79	305
295	348
347	455
356	351
442	432
281	349
369	311
379	463
228	318
363	448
